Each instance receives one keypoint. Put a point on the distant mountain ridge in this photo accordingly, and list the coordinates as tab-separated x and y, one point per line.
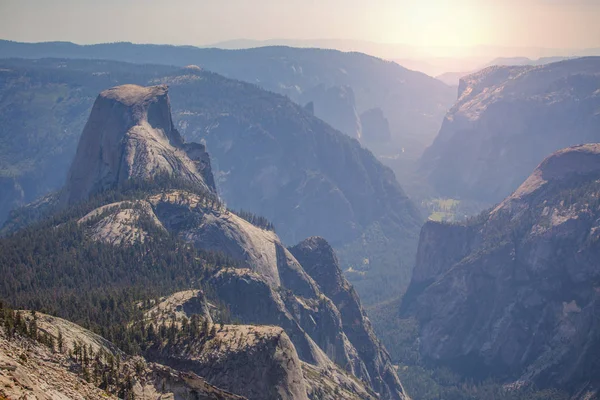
413	102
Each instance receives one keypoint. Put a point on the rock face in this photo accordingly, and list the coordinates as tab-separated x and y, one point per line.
257	362
375	126
130	135
506	120
336	106
515	292
320	262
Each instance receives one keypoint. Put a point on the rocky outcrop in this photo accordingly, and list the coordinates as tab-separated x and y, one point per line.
130	135
507	120
336	106
320	262
31	370
269	286
268	375
514	292
258	362
319	311
122	223
375	127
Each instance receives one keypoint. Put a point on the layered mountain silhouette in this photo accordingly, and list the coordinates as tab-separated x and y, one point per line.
507	120
413	102
513	293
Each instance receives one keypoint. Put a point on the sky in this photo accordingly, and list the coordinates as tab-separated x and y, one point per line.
422	23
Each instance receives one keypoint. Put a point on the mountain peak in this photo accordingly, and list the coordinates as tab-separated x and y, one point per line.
130	135
577	160
131	95
562	166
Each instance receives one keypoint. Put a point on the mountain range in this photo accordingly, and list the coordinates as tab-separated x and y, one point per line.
413	102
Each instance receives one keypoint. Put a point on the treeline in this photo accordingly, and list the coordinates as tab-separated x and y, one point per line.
256	220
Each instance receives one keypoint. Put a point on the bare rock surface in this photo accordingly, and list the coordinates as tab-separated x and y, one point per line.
30	370
130	135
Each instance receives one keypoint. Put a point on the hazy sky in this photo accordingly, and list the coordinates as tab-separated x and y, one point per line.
543	23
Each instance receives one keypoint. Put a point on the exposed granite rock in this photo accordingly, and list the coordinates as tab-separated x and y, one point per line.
130	135
178	305
320	262
515	292
31	370
121	223
269	286
322	379
507	120
259	362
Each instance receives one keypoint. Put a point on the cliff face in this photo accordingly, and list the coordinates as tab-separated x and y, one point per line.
515	292
320	262
130	135
507	120
335	105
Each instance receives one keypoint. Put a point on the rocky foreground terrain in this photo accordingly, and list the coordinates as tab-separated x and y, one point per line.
506	120
30	369
515	292
300	330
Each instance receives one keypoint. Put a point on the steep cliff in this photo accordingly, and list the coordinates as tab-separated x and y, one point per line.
514	293
320	262
507	120
375	127
335	105
130	135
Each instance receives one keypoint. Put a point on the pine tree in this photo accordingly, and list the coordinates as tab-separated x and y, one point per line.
60	341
